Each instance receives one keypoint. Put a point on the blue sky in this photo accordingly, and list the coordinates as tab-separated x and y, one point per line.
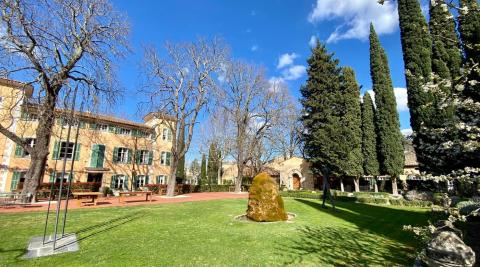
263	31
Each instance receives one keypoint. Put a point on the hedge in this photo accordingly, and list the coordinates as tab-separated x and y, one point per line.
301	194
466	207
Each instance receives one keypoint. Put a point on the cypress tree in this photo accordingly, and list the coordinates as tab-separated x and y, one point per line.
446	52
369	137
469	28
417	47
352	123
325	144
203	171
212	167
390	145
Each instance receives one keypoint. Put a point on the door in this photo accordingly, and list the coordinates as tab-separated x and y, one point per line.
296	181
94	177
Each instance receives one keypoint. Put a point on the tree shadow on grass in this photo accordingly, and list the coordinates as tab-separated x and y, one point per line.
319	246
379	239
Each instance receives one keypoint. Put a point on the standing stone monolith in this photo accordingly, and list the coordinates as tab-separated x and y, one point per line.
264	202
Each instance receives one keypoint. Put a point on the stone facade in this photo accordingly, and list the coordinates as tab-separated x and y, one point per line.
118	153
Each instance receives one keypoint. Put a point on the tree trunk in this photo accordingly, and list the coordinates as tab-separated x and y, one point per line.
394	186
172	182
238	180
342	188
38	158
219	172
356	181
375	185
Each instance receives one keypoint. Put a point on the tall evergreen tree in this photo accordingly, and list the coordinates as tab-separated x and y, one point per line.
469	28
446	52
417	50
325	144
390	145
203	171
352	123
369	137
212	167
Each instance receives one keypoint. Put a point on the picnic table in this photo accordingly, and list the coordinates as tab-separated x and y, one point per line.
92	195
146	193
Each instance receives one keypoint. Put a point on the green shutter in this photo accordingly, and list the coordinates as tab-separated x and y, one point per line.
56	150
101	156
146	179
111	128
150	157
126	182
93	126
117	130
70	176
137	156
77	152
167	161
94	156
158	179
113	182
19	151
129	160
81	124
169	135
115	155
15	178
52	177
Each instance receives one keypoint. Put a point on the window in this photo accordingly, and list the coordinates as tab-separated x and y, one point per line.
144	157
66	150
165	158
141	181
166	134
121	155
58	177
18	177
119	182
103	127
125	131
29	116
20	152
161	179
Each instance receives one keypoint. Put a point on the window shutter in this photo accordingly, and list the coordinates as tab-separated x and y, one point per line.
167	161
100	156
111	128
134	182
126	182
158	179
117	130
94	156
56	150
18	151
115	155
146	179
52	177
15	178
137	156
129	160
169	135
77	152
150	157
113	182
70	177
93	126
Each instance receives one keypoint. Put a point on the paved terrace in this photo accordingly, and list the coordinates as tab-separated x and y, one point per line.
104	202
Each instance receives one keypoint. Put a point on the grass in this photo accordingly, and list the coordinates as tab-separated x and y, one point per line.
205	234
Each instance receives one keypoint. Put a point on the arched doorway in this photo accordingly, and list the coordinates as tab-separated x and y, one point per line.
296	181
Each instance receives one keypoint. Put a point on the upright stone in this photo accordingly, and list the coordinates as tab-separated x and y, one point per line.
264	202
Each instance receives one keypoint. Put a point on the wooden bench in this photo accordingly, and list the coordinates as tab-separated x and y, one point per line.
91	195
134	193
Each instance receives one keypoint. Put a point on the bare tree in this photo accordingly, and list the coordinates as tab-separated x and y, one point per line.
252	104
56	45
178	87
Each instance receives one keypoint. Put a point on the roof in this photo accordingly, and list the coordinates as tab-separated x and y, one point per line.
19	85
153	115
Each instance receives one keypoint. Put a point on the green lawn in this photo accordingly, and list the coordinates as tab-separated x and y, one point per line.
205	234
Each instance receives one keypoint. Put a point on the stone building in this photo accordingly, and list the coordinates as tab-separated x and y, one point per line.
117	153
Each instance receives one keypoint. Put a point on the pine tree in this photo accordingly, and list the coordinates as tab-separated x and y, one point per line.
203	171
212	168
369	137
469	28
352	123
417	47
390	146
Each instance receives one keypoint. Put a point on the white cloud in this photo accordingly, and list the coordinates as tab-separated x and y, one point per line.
275	83
286	60
294	72
355	17
407	132
401	98
254	48
313	41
